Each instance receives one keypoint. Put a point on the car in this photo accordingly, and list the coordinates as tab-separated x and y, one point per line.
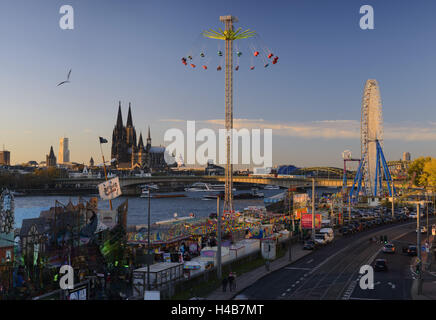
344	231
320	238
389	248
309	245
411	250
380	265
329	233
423	229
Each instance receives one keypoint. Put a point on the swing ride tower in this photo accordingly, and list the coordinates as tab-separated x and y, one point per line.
228	35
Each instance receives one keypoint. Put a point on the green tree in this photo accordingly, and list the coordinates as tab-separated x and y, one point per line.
416	170
428	177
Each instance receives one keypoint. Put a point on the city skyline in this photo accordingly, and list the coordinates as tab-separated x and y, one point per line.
315	89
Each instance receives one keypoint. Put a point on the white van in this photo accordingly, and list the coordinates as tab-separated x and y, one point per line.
329	234
320	238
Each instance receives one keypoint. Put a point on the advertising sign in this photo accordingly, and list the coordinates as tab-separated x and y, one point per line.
306	221
78	295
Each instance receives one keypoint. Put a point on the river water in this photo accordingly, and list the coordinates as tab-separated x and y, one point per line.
161	208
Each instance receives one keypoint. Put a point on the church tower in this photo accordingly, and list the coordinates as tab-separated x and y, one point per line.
119	144
131	133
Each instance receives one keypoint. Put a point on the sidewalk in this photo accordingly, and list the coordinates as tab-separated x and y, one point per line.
429	277
247	279
428	290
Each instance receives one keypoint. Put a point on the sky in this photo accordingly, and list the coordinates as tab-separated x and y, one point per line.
130	51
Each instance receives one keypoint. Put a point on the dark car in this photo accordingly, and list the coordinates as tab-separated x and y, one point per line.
344	231
380	265
412	251
309	245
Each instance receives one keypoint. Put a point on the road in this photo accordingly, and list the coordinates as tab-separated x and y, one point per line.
332	272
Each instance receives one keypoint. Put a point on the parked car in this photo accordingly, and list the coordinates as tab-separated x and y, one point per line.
309	245
344	231
380	265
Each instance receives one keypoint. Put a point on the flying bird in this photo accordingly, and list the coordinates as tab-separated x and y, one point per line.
66	81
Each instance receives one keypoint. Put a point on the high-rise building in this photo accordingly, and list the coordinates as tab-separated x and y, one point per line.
5	158
406	156
50	159
64	152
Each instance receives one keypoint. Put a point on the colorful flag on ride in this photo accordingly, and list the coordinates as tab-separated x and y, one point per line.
110	189
102	140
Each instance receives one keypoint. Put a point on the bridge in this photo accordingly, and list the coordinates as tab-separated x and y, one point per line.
129	184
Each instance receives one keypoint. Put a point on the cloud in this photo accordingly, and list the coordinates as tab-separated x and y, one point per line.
172	120
330	129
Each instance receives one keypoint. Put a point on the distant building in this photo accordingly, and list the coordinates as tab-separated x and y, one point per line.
406	156
213	170
91	162
5	158
50	159
64	152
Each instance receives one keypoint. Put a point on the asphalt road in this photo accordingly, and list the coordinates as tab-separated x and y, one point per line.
332	272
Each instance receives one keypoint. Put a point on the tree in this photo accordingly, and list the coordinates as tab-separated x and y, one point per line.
428	177
416	170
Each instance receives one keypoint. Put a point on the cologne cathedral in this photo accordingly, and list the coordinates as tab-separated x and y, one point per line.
132	155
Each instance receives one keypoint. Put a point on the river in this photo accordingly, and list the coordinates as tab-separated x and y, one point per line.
161	209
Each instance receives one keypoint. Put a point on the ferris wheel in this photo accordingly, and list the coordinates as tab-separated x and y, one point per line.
371	132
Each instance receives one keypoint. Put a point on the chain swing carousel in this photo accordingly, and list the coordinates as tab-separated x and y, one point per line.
253	55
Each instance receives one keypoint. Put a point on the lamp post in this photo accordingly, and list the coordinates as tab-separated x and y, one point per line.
148	244
313	209
392	191
218	231
418	242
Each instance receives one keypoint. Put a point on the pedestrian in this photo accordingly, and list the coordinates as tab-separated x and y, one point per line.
234	280
231	279
224	282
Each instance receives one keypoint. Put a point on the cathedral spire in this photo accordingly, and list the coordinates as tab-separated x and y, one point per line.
149	136
140	143
129	118
120	117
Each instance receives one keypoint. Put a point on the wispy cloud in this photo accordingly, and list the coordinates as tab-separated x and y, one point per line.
330	129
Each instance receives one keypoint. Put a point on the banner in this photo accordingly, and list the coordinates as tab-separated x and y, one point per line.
110	189
306	221
301	197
